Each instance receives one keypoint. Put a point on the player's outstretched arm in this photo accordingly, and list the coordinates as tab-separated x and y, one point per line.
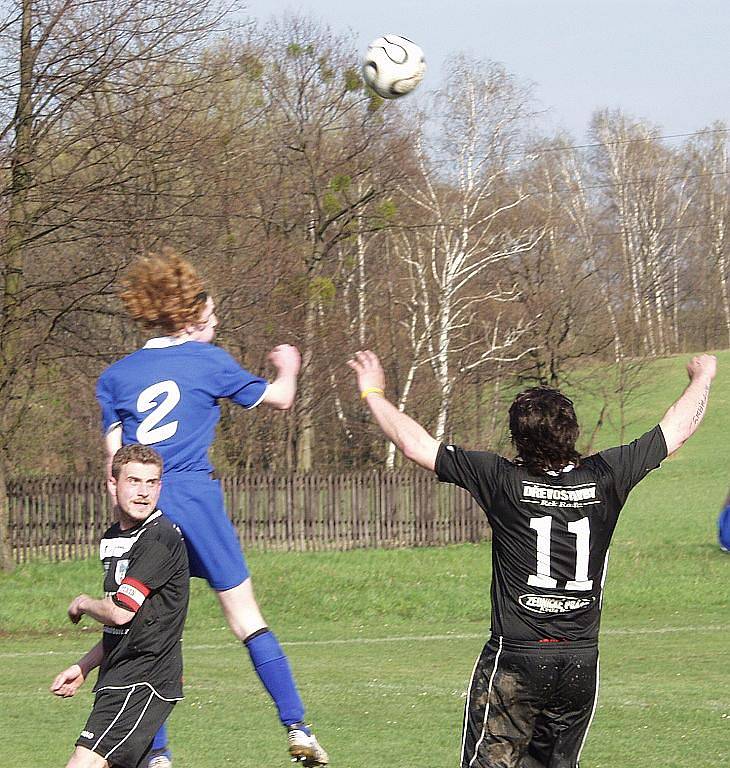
66	683
407	434
682	419
281	391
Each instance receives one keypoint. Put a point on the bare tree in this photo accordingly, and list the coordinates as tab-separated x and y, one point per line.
584	318
322	138
560	286
463	188
710	167
647	190
70	69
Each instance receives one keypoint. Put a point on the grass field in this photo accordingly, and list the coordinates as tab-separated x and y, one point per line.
383	642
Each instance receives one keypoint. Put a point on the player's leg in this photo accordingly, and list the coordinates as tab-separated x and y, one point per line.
502	704
541	744
196	505
85	758
571	710
215	554
269	660
160	754
121	727
531	762
272	666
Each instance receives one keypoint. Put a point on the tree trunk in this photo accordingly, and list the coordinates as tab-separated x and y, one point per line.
16	230
443	375
305	436
6	555
722	265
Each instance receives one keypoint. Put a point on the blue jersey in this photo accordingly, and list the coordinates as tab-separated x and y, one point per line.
166	395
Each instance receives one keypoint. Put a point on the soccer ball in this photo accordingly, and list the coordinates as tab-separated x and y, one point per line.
393	66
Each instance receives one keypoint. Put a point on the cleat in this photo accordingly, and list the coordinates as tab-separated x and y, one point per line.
304	747
160	761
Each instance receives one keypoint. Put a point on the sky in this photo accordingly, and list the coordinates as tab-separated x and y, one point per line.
664	61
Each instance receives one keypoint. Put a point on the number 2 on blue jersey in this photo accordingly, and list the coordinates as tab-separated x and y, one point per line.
150	430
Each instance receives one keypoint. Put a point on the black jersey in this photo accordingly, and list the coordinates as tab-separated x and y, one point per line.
550	533
146	572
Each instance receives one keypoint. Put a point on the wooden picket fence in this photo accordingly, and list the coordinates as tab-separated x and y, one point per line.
61	518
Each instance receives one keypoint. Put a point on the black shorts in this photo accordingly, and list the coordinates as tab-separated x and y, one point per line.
124	722
529	705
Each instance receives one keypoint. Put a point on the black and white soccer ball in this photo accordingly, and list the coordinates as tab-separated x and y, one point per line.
393	66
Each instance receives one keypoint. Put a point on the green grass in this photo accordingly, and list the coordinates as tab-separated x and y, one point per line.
405	627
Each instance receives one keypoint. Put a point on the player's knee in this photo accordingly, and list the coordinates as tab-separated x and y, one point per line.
242	612
245	625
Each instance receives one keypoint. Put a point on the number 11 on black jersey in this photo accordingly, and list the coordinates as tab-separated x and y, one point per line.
581	529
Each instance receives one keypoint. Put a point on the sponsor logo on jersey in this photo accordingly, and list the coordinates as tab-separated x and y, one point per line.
559	495
121	570
116	630
87	735
552	604
119	546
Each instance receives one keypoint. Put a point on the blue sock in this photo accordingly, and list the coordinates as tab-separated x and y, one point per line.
160	740
273	669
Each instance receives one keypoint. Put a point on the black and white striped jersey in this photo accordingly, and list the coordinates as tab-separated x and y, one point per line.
145	572
550	533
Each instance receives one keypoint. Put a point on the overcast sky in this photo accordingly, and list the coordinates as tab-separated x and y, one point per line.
663	60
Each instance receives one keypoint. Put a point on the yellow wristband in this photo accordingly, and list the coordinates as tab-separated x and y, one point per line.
372	391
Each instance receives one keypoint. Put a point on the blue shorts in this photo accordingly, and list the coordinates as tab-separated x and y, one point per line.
194	502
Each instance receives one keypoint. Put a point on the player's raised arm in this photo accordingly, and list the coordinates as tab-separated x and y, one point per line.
407	434
684	416
280	392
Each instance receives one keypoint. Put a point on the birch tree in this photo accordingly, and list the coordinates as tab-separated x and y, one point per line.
559	277
710	170
463	187
647	191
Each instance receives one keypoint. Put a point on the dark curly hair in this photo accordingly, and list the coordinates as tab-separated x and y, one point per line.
544	429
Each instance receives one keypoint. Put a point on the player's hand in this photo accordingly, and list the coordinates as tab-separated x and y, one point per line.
368	369
75	612
286	359
702	365
68	681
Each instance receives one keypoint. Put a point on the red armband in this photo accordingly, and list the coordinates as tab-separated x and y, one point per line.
131	594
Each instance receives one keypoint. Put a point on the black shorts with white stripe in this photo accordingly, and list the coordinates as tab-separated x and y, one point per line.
530	704
123	724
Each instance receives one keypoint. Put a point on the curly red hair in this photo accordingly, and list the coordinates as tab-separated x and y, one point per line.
163	290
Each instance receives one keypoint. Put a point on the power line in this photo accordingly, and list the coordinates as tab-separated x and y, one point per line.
534	155
661	229
630	182
572	147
